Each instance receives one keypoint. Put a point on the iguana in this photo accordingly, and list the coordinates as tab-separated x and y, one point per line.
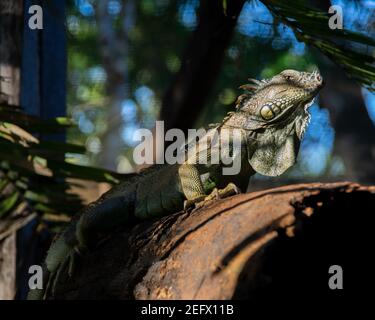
271	116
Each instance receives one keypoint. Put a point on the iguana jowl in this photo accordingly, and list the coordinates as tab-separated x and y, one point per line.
272	117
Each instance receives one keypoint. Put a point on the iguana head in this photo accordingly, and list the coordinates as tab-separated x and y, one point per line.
284	97
276	113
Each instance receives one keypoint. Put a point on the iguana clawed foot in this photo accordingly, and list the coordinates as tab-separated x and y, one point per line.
199	202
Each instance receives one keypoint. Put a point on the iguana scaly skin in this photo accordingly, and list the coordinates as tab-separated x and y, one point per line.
271	116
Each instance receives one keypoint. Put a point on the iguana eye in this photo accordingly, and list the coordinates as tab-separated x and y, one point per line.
267	113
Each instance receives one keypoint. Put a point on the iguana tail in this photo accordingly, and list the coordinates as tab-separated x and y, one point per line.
96	219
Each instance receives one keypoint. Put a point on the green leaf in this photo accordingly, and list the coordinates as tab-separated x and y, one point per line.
65	169
8	204
3	184
55	147
13	115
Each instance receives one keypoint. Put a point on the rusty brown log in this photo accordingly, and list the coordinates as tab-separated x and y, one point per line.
251	245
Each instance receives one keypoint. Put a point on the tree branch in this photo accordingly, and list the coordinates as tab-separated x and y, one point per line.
248	246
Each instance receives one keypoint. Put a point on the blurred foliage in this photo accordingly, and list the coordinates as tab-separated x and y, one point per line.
33	171
156	44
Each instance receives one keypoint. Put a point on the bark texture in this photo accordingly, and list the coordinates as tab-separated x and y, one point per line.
252	245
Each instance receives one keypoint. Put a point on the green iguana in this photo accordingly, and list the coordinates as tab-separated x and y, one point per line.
271	116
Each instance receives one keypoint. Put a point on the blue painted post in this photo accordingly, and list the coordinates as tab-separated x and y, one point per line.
43	94
44	62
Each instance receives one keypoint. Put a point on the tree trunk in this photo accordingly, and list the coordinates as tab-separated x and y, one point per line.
185	98
114	45
252	245
40	57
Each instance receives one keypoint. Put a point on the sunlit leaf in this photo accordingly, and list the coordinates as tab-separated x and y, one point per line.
8	204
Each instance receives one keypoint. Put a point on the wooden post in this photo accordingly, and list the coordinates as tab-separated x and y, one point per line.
10	63
43	94
33	75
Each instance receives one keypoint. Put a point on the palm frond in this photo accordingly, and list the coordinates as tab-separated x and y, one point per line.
33	172
353	51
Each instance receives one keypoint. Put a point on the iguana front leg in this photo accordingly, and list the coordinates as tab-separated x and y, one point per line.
193	189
